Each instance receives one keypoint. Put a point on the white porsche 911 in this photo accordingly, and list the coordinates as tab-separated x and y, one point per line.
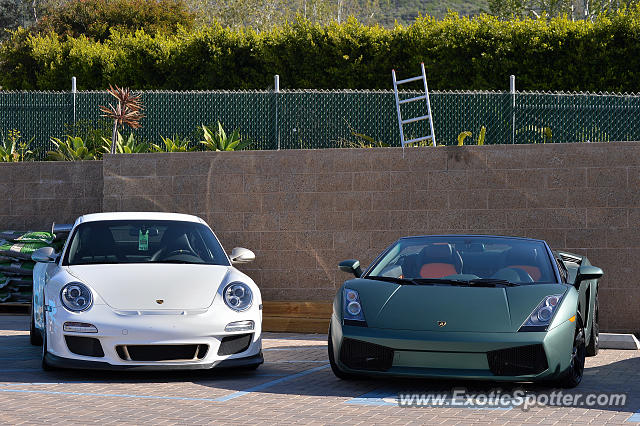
145	291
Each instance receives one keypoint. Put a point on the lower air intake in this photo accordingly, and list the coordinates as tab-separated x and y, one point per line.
518	361
161	352
235	344
360	355
85	346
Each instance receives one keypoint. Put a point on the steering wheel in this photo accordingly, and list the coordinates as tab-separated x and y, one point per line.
159	255
510	274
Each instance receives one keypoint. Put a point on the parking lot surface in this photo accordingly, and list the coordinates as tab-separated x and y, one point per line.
295	385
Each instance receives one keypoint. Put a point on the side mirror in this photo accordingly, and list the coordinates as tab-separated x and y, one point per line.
587	272
241	255
44	255
351	266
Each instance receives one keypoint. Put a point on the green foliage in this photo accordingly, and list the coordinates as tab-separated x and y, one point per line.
459	53
219	141
462	136
96	18
128	146
72	148
13	150
483	133
177	144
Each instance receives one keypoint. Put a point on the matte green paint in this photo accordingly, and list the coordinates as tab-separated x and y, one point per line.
479	319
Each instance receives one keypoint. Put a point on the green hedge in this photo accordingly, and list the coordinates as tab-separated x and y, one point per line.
459	53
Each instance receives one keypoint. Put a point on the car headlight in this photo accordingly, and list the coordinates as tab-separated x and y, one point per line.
542	315
353	314
76	297
238	296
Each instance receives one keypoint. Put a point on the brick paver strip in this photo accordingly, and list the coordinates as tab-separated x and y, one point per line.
294	386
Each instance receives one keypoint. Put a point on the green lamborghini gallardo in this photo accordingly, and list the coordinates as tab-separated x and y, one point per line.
467	306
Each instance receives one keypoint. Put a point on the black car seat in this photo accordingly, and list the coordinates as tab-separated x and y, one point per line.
526	259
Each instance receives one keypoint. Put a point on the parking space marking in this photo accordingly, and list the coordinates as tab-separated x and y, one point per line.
635	418
271	383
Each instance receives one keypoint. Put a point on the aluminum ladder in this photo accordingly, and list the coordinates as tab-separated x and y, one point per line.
399	102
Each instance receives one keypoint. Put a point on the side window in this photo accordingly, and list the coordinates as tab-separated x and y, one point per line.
563	270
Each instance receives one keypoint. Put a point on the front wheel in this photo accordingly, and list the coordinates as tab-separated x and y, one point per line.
594	341
45	365
35	337
334	367
573	375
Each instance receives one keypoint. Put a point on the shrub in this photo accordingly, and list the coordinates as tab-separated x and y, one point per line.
459	53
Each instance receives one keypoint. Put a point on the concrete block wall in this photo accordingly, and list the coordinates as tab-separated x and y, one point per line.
302	211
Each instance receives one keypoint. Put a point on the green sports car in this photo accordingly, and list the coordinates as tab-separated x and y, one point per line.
467	306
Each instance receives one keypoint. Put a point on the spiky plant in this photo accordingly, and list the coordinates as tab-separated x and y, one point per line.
127	111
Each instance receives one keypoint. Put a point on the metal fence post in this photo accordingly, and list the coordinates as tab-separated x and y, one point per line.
73	90
512	90
276	90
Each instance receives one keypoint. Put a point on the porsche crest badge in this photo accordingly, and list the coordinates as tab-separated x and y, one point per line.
159	301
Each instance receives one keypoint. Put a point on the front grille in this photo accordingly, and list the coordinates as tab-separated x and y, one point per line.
518	361
235	344
161	352
85	346
360	355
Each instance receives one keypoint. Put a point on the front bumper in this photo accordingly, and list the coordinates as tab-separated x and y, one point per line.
456	355
158	329
59	362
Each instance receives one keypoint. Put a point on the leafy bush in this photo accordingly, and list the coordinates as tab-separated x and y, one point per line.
177	144
219	141
459	53
96	18
72	148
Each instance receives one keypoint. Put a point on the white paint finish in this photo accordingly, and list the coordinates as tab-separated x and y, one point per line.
126	311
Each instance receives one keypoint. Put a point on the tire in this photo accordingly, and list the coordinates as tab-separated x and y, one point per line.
35	337
334	367
573	375
45	365
594	340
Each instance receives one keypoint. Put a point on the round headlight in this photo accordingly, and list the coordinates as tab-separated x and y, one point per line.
76	297
545	313
238	296
354	308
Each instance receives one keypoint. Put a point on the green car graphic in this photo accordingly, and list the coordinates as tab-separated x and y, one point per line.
467	306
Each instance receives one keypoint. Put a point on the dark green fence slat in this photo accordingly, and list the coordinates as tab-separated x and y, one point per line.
321	119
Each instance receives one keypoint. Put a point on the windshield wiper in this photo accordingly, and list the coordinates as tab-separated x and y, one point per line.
391	279
186	262
440	281
481	282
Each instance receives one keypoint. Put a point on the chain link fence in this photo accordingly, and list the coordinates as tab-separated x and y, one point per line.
322	119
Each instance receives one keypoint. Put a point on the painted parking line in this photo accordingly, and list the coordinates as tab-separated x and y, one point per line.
635	418
297	361
271	383
389	397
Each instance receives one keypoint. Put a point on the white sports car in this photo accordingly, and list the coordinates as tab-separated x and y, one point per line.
145	291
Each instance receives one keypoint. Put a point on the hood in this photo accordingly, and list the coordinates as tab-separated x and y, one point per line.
138	286
466	309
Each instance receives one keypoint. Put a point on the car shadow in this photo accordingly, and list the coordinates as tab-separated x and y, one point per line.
306	373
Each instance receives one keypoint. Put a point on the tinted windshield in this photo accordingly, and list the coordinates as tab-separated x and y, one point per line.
143	241
467	258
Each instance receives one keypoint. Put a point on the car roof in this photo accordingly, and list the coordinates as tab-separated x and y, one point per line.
475	235
97	217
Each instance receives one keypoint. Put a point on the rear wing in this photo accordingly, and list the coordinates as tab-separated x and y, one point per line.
571	257
61	230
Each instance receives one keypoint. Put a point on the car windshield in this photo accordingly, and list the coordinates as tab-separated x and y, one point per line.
143	241
466	259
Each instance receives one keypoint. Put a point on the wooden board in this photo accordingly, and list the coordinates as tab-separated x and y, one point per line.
296	317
